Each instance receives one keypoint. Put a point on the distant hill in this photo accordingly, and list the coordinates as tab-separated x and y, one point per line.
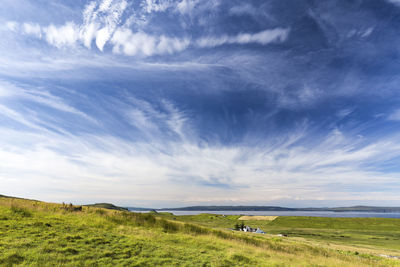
140	209
366	209
107	206
18	198
275	208
244	208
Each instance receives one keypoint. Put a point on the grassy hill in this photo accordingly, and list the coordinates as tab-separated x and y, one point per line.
47	234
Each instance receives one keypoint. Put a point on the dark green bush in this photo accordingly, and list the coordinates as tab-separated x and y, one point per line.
194	229
71	208
168	227
20	211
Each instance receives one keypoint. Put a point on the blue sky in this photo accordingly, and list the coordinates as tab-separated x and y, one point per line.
166	103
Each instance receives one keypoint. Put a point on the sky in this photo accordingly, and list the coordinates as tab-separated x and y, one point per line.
168	103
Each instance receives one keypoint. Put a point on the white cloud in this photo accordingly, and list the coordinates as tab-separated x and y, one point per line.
12	25
344	112
101	23
129	43
102	37
105	5
16	116
66	35
141	120
167	45
305	95
265	37
361	33
186	6
154	123
176	120
367	32
157	5
88	31
196	8
33	29
244	9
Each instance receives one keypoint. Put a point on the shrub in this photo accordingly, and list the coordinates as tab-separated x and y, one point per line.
70	207
194	229
20	211
141	219
168	227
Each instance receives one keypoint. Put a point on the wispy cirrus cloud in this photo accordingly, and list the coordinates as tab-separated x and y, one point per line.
201	101
287	166
170	157
279	170
12	93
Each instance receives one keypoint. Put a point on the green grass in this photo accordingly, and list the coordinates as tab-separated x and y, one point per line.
34	233
372	232
379	233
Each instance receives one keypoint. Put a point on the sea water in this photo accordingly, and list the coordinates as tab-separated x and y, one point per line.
346	214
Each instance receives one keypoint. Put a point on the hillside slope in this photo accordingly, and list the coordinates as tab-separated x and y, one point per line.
46	234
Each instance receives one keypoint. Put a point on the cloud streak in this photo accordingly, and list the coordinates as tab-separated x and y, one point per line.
126	42
104	22
263	38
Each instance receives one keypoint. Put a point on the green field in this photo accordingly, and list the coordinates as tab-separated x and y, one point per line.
377	233
35	233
